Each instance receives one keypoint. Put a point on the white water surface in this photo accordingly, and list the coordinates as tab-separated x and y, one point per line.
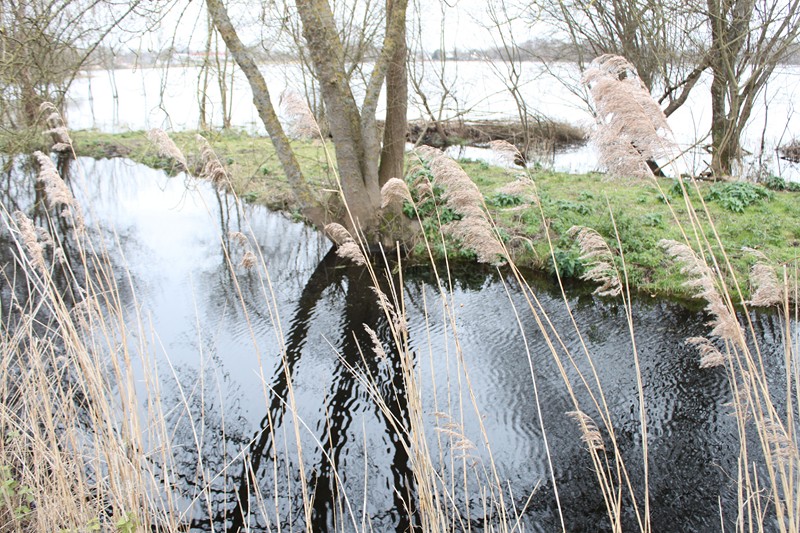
132	99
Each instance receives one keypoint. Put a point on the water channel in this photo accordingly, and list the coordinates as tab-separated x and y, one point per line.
222	379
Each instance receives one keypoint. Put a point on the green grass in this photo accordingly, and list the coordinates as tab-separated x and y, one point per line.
745	215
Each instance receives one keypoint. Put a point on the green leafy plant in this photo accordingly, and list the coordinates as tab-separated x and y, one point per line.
567	263
777	183
502	199
737	196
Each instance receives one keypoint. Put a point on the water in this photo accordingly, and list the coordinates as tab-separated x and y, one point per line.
144	98
222	380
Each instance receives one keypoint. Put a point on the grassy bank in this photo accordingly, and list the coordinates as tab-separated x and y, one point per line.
746	216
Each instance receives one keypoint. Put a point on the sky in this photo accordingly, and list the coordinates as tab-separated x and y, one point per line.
458	24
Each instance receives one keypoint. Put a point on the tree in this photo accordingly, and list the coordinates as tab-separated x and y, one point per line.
748	40
671	44
364	163
43	45
651	34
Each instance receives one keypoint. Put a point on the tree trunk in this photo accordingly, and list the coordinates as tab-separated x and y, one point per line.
357	172
394	133
302	193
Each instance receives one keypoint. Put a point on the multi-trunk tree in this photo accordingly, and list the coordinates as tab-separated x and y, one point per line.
365	160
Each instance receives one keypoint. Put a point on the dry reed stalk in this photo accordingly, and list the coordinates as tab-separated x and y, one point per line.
475	230
58	129
212	167
167	148
710	356
590	433
631	127
724	324
30	241
596	252
346	246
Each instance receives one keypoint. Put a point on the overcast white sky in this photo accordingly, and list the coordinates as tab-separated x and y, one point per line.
457	23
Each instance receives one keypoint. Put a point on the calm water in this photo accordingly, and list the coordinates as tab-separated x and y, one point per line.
222	379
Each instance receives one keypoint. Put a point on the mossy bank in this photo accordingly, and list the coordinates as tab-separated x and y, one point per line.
746	216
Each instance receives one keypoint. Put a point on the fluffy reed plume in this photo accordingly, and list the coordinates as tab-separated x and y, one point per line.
631	127
710	356
394	193
781	445
239	238
509	153
474	230
767	289
724	325
30	240
301	121
249	260
346	246
56	191
58	129
212	167
377	345
595	252
590	434
167	148
398	320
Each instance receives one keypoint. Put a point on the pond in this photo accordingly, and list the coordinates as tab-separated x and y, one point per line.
270	382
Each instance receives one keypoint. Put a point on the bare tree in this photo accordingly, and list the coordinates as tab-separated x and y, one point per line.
43	46
748	40
363	165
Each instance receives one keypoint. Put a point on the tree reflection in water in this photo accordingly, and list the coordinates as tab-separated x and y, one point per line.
238	505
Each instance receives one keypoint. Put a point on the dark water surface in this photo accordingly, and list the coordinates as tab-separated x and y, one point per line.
217	346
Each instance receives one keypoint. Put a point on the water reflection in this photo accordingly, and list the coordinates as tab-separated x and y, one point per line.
233	346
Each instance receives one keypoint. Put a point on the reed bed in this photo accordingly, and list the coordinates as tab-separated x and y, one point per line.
88	443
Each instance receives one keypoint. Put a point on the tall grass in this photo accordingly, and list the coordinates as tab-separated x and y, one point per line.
87	441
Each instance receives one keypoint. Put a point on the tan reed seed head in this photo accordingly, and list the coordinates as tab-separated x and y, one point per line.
523	187
249	260
475	230
377	345
57	192
598	255
725	325
57	128
590	433
212	167
167	148
631	127
30	241
710	356
346	246
301	121
239	238
394	193
509	153
766	289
